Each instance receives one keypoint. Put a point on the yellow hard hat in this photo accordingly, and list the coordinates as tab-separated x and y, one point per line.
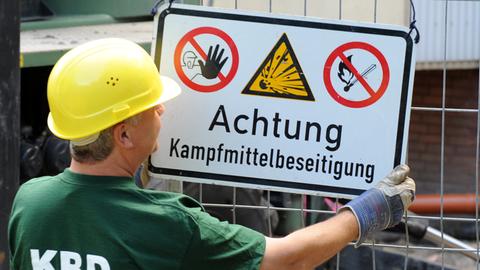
101	83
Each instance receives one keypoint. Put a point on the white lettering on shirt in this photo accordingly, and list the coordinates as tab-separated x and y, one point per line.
68	260
42	263
93	260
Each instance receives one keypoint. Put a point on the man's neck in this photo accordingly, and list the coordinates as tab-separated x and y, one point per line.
107	167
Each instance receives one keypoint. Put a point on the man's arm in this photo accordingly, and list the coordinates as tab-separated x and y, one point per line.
378	208
311	246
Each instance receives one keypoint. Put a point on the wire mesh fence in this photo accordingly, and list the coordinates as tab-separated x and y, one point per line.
443	151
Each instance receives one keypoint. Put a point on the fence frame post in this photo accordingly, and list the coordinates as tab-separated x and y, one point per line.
9	116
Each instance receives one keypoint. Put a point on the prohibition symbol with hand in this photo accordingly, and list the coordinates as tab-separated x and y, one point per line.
212	66
348	75
201	71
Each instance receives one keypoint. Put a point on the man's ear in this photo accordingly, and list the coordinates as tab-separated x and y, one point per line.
121	135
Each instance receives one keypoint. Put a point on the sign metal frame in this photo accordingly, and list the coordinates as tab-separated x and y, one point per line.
273	184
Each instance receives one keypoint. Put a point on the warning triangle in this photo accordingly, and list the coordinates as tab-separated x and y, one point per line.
280	75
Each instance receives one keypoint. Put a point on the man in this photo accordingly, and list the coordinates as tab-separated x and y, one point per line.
106	98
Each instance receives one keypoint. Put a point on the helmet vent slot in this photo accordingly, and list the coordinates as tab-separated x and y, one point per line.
112	81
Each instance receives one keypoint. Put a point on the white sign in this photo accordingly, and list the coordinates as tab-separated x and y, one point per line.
286	103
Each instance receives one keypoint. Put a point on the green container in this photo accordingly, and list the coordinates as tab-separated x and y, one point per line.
115	8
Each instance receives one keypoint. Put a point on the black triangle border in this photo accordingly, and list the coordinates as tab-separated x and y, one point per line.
283	38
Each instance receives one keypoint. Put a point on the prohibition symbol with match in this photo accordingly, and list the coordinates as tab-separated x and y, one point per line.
356	74
202	71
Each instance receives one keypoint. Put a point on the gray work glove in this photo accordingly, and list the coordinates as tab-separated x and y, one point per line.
383	206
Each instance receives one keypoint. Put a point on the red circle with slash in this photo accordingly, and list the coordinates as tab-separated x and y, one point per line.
374	95
190	38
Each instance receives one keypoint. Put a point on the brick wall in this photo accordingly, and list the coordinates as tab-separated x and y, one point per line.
424	153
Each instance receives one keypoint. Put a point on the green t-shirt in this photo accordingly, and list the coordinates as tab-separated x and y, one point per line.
74	221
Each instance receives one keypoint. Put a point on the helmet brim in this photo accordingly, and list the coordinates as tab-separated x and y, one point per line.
170	89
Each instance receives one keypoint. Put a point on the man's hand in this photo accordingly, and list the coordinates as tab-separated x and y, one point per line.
383	206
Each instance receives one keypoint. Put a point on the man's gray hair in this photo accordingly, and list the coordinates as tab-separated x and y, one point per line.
101	148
